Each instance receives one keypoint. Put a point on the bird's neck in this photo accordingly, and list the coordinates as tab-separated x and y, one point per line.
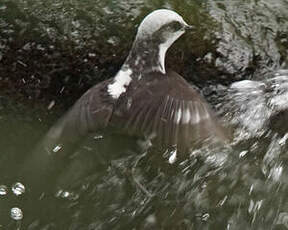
146	57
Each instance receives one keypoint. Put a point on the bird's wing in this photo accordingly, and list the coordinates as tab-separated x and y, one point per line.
90	113
170	112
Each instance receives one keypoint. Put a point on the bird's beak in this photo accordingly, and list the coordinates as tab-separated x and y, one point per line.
189	27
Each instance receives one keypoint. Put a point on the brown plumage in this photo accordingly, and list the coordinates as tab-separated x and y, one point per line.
167	109
143	100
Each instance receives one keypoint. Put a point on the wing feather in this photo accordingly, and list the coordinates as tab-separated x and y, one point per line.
169	116
133	121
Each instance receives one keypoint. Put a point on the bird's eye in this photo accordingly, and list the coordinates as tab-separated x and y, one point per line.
175	26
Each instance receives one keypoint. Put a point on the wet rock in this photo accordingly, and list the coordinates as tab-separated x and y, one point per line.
250	38
56	50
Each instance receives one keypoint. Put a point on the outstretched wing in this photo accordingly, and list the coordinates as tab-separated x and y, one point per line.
90	113
170	112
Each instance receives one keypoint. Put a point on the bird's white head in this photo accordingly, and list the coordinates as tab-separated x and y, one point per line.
166	21
156	33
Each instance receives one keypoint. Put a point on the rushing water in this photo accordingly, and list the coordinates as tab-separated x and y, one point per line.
107	183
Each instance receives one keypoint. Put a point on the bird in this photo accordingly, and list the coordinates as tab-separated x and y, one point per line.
144	100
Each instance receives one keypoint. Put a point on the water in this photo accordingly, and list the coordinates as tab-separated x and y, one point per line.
51	51
221	188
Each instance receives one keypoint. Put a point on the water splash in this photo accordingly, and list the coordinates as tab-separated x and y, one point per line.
251	105
282	219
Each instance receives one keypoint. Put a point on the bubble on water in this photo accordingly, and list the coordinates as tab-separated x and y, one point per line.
18	189
16	213
3	190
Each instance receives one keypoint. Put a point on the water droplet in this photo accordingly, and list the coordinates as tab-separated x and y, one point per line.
16	213
205	217
66	195
3	190
243	153
18	189
173	157
91	55
97	137
221	202
57	148
50	106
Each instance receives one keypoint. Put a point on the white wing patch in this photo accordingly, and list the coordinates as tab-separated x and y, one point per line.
196	115
186	115
121	81
170	121
178	116
186	112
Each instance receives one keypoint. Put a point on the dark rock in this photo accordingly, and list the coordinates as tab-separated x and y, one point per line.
56	50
